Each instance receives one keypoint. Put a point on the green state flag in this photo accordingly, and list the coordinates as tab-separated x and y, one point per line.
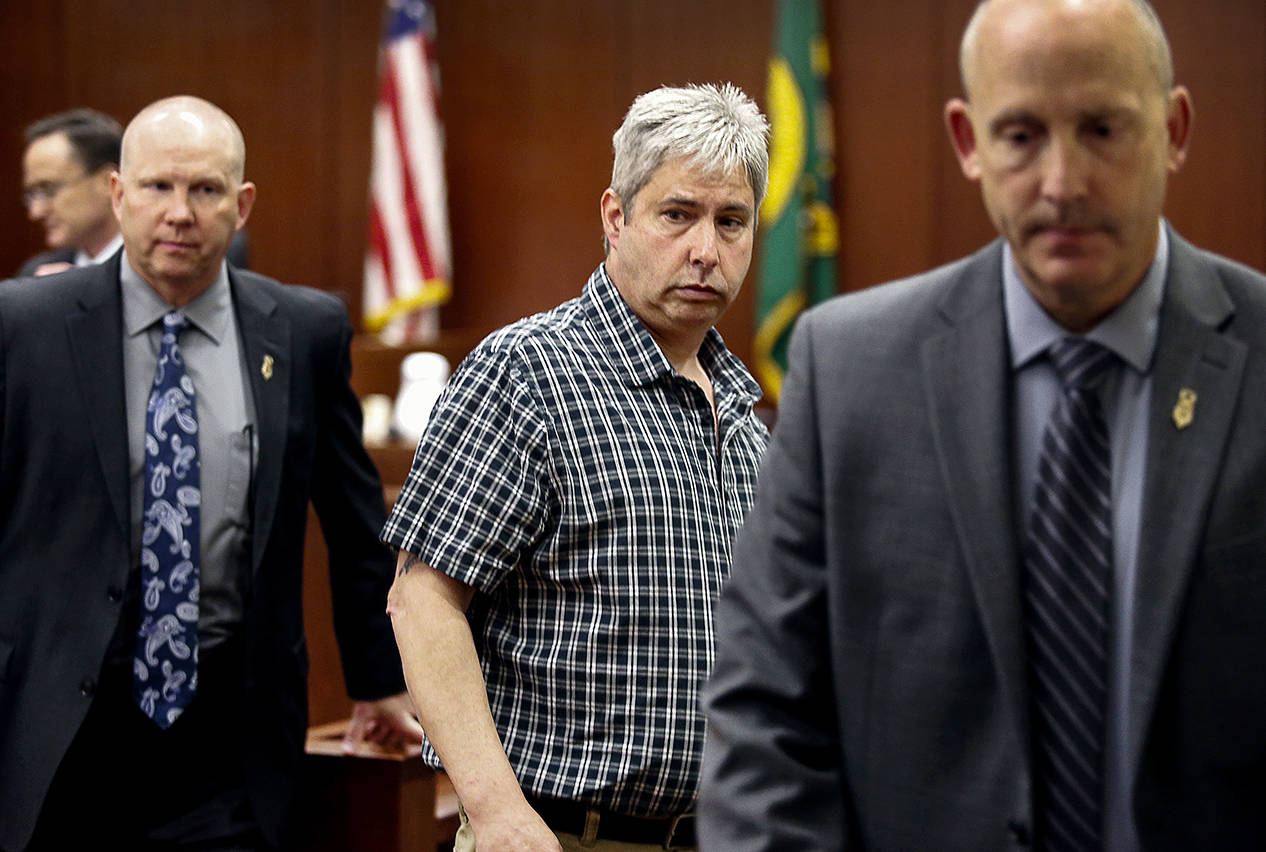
799	233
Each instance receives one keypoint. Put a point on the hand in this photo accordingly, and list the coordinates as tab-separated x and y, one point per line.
519	831
388	723
52	268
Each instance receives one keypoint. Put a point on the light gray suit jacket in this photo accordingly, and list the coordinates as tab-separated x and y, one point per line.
870	690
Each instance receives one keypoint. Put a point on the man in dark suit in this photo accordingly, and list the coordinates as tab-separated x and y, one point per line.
96	744
66	188
931	640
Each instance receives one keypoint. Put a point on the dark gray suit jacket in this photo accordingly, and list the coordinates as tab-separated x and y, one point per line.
55	256
65	522
870	689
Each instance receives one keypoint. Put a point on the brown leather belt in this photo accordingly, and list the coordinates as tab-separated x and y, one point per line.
573	817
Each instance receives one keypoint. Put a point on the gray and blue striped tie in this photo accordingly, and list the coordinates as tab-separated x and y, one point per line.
1068	564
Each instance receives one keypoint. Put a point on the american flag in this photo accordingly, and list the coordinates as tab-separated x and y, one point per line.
407	262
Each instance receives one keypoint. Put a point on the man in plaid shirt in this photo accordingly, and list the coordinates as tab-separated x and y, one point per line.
568	519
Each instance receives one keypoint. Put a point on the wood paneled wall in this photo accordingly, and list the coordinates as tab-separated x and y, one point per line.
532	90
531	94
298	77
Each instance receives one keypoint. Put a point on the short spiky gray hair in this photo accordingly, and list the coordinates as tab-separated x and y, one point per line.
717	128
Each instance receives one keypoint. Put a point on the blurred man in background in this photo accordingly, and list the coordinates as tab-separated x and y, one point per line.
1003	583
66	188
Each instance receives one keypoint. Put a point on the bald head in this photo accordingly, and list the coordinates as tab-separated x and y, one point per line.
992	18
1072	130
179	194
187	120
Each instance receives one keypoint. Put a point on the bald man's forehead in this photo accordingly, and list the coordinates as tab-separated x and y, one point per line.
1132	24
178	137
187	106
189	121
198	123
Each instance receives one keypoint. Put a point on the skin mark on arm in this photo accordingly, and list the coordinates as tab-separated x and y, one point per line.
409	562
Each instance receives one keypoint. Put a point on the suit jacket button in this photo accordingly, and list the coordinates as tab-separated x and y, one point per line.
1019	832
114	594
87	687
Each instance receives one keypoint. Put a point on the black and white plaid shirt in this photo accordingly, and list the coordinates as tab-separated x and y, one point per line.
572	476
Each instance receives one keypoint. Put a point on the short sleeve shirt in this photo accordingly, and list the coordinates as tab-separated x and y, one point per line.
581	485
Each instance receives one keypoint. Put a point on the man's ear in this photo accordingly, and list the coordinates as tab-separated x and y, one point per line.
116	192
963	137
1179	119
245	201
612	210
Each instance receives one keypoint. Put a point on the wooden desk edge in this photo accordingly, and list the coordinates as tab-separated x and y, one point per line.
327	741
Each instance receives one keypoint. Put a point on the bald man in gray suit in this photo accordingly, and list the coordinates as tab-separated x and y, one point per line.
879	646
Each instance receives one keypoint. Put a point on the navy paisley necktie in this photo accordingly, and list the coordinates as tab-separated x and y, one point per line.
165	667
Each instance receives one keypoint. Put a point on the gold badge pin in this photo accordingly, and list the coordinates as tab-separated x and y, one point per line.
1185	408
266	368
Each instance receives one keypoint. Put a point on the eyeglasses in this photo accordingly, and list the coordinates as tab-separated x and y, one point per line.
47	190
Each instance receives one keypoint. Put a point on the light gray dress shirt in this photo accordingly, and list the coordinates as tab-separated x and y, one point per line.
1130	332
214	360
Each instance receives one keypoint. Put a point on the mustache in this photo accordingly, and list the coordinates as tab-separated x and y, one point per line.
1068	217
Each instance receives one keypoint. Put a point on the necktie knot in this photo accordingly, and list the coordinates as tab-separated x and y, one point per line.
1080	363
174	323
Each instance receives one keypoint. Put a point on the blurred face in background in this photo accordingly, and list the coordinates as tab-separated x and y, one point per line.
71	203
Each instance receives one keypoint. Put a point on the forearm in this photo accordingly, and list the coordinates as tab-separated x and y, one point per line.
446	683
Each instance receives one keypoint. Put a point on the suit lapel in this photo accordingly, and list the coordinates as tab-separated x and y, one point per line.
967	391
266	338
1182	463
95	329
966	372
